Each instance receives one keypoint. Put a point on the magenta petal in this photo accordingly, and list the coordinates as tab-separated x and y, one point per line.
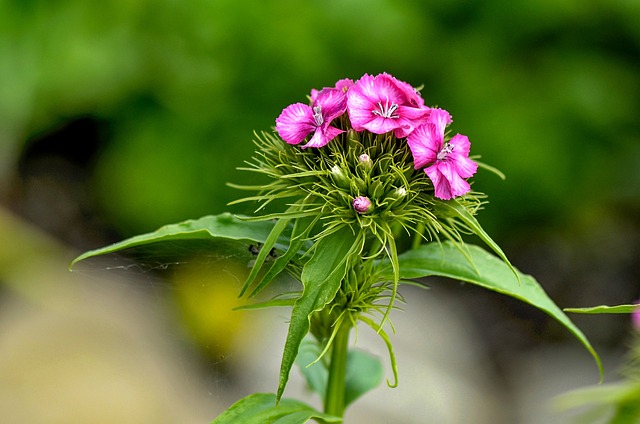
344	84
440	118
424	145
380	125
440	183
464	166
295	123
461	144
412	95
323	137
446	182
332	102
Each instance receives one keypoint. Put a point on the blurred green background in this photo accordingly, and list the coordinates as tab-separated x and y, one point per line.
119	116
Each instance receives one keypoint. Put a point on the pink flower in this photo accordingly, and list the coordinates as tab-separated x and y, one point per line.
298	120
382	103
361	204
448	162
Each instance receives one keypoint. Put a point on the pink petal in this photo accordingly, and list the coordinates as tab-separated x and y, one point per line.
447	183
440	118
333	103
295	123
461	144
412	95
380	125
344	84
410	118
424	145
459	158
323	136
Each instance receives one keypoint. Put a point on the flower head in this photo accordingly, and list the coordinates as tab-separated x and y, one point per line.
361	204
448	162
298	120
382	103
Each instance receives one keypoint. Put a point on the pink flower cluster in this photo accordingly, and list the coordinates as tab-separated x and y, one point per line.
381	104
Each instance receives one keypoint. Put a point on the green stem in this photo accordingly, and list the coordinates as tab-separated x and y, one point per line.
335	396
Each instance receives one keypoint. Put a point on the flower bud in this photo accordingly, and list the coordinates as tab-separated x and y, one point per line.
339	178
362	204
396	196
365	160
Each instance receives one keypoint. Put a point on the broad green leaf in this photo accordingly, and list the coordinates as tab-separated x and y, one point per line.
604	309
261	408
446	260
315	373
364	371
321	278
211	227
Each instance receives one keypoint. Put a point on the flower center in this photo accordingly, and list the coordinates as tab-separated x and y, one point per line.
317	115
445	151
386	111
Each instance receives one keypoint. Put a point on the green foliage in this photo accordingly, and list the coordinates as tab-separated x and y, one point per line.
224	226
321	277
603	309
487	271
332	256
260	408
615	403
364	371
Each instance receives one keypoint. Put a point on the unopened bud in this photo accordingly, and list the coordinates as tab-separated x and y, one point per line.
396	196
365	160
339	178
362	204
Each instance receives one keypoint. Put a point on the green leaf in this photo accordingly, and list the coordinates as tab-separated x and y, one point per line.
454	208
605	394
261	408
269	243
364	371
321	277
299	234
604	309
446	260
211	227
314	372
616	403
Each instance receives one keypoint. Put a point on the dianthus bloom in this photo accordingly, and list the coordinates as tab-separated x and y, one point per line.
448	162
382	103
298	120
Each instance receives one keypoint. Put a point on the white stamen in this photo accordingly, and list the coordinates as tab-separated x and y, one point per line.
317	115
446	149
386	111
